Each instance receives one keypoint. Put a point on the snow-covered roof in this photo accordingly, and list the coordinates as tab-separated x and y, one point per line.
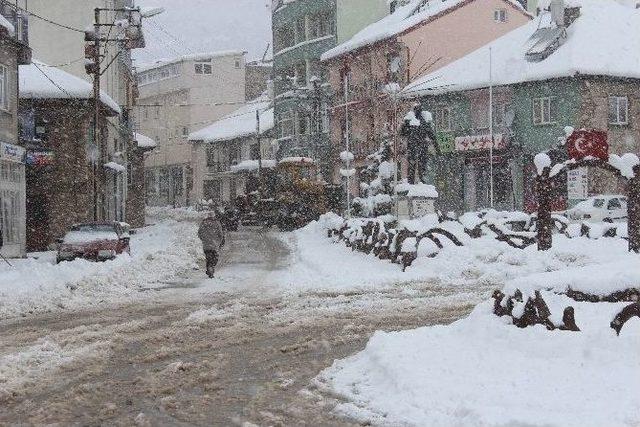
252	165
41	81
116	167
296	160
205	56
403	19
604	40
144	141
240	123
4	23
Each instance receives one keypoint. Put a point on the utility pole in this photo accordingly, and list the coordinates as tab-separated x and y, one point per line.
259	154
93	67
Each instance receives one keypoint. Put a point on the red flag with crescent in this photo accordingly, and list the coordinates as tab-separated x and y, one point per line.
588	143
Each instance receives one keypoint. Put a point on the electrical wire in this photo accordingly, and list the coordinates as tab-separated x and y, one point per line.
51	21
171	36
35	64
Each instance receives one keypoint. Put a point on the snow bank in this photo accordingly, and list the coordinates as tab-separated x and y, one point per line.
158	253
482	372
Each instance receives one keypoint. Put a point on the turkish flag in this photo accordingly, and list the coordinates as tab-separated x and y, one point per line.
588	143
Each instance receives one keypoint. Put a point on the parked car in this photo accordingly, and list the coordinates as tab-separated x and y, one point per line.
95	241
600	208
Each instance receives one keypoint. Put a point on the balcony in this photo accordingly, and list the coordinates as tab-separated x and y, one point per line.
19	19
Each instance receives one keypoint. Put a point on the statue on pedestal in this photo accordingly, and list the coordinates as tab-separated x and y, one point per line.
419	130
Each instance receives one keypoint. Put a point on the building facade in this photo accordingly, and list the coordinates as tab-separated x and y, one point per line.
534	99
118	81
228	151
413	41
14	50
176	98
302	31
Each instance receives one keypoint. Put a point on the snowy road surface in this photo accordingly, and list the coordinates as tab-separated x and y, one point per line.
242	348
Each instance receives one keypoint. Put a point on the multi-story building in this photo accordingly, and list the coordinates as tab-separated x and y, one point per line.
56	129
302	31
177	97
226	153
414	40
547	75
14	51
118	81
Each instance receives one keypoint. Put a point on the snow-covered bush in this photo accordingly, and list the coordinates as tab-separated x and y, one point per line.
377	187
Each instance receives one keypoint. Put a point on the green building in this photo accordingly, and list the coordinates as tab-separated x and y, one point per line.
539	89
302	31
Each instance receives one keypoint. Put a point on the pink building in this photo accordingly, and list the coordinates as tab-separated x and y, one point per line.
416	39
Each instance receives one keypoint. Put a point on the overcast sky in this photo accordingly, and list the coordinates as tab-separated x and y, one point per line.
194	26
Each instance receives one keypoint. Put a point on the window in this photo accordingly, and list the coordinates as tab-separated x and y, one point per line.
213	158
303	124
618	110
254	151
544	110
237	64
324	110
203	68
301	73
614	204
4	87
301	27
286	124
284	38
443	119
185	131
500	15
234	155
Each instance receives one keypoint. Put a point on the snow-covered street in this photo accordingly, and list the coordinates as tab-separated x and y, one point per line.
126	344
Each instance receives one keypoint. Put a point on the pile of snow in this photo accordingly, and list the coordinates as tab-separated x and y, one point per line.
79	237
417	190
158	253
240	123
603	41
155	213
481	371
625	164
40	81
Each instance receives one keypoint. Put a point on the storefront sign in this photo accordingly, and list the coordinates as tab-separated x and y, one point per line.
588	143
39	158
577	184
12	153
480	142
446	142
422	207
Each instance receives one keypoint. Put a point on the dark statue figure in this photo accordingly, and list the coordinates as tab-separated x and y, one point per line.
418	129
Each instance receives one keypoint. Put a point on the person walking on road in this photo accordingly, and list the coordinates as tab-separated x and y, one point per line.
212	236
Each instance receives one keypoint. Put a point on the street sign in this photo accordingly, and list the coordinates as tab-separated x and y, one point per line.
588	143
577	184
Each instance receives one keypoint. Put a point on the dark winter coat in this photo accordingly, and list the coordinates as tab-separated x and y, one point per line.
211	234
419	136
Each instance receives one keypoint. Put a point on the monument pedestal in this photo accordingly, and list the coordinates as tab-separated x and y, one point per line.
415	200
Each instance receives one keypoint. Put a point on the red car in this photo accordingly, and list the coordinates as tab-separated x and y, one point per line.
95	241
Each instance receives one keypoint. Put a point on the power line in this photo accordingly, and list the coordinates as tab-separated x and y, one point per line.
52	82
51	21
171	36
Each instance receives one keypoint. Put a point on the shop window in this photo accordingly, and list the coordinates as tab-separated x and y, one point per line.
618	110
212	190
545	110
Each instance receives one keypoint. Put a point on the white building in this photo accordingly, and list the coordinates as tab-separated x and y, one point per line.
176	97
225	153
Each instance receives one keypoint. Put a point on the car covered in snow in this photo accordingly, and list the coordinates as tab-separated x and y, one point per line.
95	241
600	208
